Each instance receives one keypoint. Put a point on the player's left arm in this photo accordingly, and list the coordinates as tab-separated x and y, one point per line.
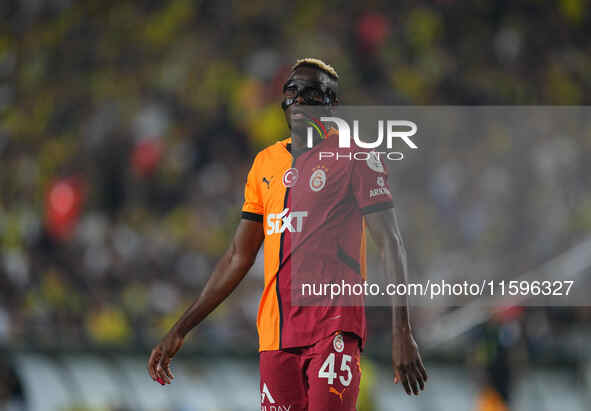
406	360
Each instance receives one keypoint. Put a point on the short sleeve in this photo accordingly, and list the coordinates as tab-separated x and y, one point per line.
369	182
252	209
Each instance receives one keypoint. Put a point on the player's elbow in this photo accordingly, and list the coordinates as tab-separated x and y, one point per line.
241	261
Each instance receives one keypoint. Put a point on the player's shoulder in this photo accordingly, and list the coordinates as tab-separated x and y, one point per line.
278	146
271	152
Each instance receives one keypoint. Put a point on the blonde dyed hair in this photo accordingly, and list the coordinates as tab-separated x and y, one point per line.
313	62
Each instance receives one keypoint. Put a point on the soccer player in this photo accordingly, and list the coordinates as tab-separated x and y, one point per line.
311	215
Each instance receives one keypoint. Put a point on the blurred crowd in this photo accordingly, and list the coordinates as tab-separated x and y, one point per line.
127	130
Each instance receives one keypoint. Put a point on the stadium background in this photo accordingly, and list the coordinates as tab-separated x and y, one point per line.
126	132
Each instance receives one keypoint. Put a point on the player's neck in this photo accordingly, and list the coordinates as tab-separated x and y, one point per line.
299	142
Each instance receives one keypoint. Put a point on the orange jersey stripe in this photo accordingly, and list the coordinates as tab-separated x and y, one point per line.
265	194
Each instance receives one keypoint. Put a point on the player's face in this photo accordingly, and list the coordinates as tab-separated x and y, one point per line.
307	86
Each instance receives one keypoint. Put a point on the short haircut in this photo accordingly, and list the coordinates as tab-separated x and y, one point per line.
317	63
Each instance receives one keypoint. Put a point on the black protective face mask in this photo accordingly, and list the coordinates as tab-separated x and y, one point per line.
313	93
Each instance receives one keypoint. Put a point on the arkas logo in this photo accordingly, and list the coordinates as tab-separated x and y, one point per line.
381	190
387	130
293	221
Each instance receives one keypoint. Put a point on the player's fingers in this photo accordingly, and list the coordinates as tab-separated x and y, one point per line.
419	378
166	367
169	373
406	385
150	370
154	357
421	369
160	372
412	381
162	378
404	379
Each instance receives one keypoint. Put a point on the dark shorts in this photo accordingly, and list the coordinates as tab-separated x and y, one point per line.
320	377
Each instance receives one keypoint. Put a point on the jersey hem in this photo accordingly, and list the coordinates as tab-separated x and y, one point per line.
320	337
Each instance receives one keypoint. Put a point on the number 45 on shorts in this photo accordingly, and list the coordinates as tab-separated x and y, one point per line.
327	370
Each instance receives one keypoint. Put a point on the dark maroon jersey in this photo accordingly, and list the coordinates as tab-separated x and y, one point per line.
329	190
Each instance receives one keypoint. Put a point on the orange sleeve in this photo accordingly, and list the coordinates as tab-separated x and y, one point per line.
253	209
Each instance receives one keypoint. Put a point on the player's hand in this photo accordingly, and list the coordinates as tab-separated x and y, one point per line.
407	364
159	362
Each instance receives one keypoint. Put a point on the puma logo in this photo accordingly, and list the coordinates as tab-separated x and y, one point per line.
268	182
335	392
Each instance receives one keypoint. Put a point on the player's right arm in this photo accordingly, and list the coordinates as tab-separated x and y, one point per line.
228	273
